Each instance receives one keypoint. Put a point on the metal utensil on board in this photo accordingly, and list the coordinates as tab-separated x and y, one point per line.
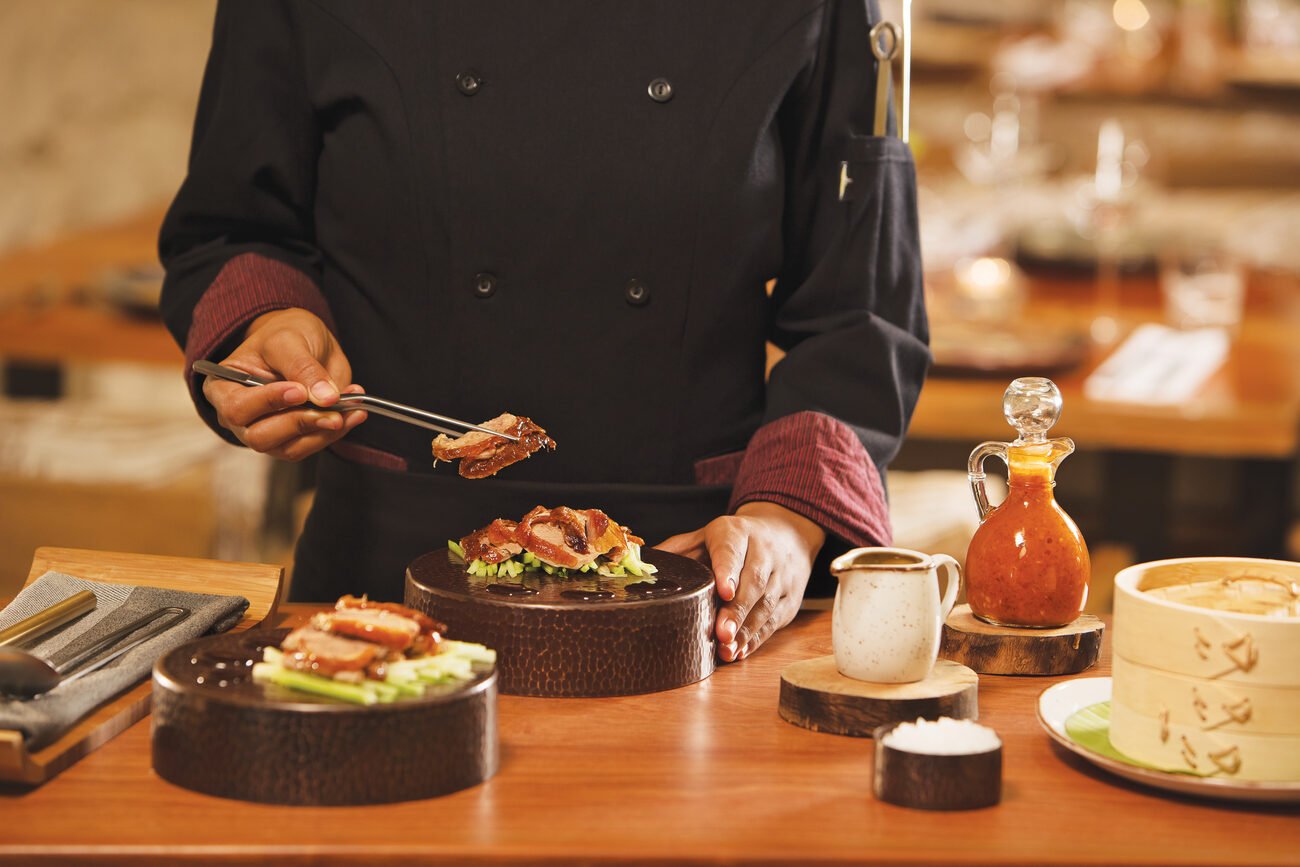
348	402
48	619
26	675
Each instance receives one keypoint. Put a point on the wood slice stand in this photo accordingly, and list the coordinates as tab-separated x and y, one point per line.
816	696
260	584
991	649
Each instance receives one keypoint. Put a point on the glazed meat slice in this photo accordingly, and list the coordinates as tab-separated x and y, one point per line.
431	631
606	536
495	543
427	623
311	650
482	455
557	536
371	624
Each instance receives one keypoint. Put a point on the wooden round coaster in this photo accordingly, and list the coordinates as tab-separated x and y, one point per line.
993	649
816	696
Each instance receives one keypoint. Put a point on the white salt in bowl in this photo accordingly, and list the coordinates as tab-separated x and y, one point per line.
943	764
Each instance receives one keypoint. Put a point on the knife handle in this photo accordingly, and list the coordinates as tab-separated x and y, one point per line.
49	619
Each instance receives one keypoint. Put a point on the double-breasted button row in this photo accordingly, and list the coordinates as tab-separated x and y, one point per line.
660	90
485	284
636	292
470	82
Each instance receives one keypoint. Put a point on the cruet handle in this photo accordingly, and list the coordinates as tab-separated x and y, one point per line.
975	472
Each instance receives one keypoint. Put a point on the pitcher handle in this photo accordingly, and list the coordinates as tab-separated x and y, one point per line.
975	472
951	589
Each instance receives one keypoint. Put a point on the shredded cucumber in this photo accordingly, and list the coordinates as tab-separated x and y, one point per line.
408	678
265	672
527	561
467	650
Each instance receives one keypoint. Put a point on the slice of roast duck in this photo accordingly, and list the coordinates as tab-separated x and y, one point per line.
482	455
495	543
570	538
397	627
318	652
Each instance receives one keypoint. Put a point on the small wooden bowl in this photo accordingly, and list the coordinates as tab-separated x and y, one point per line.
216	731
925	781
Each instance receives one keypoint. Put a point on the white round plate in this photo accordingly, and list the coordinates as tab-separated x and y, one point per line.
1058	703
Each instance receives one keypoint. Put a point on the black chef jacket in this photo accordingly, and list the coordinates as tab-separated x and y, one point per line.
570	211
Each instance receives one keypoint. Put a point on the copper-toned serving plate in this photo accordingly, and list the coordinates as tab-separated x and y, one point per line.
217	731
580	636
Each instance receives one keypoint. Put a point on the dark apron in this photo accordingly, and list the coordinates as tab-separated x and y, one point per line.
367	524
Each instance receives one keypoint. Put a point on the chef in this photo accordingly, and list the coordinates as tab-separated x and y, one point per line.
569	211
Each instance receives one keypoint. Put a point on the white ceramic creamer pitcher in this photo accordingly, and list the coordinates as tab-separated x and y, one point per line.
888	616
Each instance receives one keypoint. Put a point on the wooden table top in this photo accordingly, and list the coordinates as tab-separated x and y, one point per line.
704	774
45	316
1249	408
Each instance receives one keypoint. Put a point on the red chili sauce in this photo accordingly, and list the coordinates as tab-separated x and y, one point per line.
1027	564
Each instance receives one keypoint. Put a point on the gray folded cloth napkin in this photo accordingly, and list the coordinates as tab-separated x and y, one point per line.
43	719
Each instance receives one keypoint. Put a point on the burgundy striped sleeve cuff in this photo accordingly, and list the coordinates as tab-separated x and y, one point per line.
815	465
246	287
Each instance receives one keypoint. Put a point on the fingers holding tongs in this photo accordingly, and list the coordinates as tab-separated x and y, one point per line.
377	405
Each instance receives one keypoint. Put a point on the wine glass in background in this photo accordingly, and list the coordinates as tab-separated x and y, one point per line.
1106	204
1203	285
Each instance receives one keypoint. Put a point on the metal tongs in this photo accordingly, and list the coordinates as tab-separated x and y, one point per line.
348	402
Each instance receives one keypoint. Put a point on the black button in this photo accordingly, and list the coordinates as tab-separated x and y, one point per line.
485	284
469	82
637	293
660	90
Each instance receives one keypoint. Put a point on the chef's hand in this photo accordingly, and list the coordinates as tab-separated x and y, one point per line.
294	346
761	559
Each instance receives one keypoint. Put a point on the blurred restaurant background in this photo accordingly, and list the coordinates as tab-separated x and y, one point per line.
1110	196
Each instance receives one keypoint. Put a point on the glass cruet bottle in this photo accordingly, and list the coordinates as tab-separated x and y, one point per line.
1027	565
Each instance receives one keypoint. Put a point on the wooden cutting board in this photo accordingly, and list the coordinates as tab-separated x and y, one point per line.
260	584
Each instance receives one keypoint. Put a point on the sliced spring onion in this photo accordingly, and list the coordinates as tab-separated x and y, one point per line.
265	672
405	679
456	548
466	650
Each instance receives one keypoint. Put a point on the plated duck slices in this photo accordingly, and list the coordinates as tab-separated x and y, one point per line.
369	652
555	541
482	455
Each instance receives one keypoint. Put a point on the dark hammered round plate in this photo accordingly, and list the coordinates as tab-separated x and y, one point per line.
444	574
221	668
580	636
218	732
